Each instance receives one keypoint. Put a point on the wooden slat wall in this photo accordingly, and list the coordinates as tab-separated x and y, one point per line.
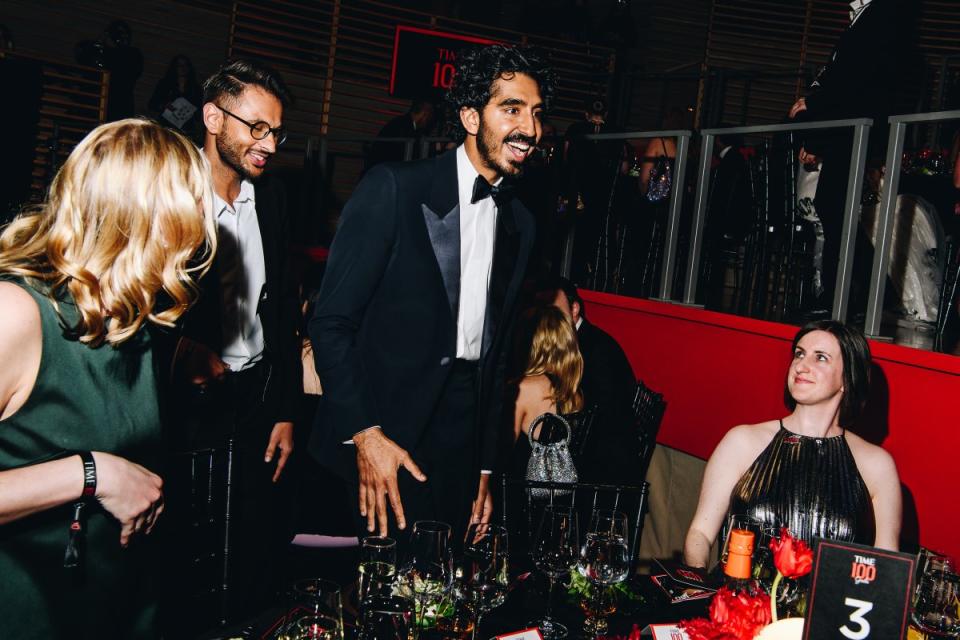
763	35
49	30
783	34
336	55
672	39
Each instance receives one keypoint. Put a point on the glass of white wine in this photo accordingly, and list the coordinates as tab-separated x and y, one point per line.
483	572
604	561
378	568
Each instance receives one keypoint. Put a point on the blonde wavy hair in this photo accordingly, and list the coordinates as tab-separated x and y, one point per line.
128	215
554	353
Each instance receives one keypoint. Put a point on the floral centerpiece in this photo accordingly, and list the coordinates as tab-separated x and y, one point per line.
741	615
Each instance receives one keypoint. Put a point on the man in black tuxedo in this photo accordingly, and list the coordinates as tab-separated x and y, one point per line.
860	81
236	366
608	382
413	124
411	329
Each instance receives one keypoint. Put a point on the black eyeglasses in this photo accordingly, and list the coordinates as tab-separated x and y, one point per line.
260	130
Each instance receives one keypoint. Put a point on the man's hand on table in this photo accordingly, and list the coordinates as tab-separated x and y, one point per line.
482	508
378	461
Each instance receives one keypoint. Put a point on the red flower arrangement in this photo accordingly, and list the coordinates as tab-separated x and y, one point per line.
740	616
733	616
793	559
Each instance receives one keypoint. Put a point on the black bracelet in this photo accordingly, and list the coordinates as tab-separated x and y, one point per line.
89	474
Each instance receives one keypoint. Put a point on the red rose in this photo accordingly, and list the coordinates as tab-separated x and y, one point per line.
733	616
792	557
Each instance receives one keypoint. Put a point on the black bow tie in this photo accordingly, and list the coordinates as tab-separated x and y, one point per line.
482	189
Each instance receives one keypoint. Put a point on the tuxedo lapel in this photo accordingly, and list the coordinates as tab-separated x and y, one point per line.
441	216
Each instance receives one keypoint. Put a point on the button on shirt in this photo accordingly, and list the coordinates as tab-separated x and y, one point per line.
243	278
478	223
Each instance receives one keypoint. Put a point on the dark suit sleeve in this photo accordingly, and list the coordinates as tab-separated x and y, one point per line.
290	369
852	84
358	259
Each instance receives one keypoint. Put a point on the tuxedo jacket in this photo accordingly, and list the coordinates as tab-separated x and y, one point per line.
384	329
278	307
863	75
612	449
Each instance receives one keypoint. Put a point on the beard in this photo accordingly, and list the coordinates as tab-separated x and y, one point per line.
487	145
232	152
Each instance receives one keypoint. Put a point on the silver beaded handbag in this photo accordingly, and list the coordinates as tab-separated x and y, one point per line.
550	462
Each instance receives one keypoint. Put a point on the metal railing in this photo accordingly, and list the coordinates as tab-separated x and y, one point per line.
881	257
676	196
851	210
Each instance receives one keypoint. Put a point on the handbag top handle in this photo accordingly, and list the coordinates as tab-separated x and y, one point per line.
541	418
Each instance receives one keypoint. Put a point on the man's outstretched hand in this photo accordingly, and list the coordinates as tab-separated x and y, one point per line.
378	461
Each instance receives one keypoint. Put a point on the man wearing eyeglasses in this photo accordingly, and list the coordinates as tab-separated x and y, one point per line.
237	372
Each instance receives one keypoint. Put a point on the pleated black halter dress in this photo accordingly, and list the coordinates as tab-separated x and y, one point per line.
809	485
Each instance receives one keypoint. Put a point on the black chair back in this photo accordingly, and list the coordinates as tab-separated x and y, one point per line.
648	409
520	512
580	425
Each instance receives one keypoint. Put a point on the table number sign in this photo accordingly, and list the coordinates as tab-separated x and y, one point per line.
527	634
858	592
667	632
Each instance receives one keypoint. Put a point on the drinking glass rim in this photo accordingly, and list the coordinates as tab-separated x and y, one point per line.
431	526
325	586
378	541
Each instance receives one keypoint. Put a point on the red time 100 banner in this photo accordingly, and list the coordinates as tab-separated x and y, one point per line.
424	61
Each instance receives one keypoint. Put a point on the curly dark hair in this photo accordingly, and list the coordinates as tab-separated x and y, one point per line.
478	68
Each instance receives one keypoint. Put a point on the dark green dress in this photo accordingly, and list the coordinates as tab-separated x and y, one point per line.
102	399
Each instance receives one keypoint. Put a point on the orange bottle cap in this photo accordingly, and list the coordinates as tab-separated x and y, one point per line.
739	552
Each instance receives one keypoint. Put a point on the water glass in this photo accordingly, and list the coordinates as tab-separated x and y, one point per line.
387	618
378	567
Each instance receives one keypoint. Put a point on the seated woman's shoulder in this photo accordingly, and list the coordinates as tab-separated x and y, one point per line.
749	439
536	383
747	433
867	453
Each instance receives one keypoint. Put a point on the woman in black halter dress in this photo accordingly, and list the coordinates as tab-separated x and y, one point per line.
806	472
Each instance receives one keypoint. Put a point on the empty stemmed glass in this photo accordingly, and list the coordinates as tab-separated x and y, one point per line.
554	552
604	561
428	570
483	573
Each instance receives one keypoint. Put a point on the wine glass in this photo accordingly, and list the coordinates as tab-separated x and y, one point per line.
483	573
317	600
378	566
554	552
428	570
604	561
935	612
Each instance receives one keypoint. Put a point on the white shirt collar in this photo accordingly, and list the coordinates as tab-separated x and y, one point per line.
247	194
856	9
467	175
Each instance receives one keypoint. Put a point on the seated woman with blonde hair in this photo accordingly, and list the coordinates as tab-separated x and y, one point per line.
81	279
806	471
554	367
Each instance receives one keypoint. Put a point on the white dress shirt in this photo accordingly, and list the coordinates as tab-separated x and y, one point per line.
243	277
478	224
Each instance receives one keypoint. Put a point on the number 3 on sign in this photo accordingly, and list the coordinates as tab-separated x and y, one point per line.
861	608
